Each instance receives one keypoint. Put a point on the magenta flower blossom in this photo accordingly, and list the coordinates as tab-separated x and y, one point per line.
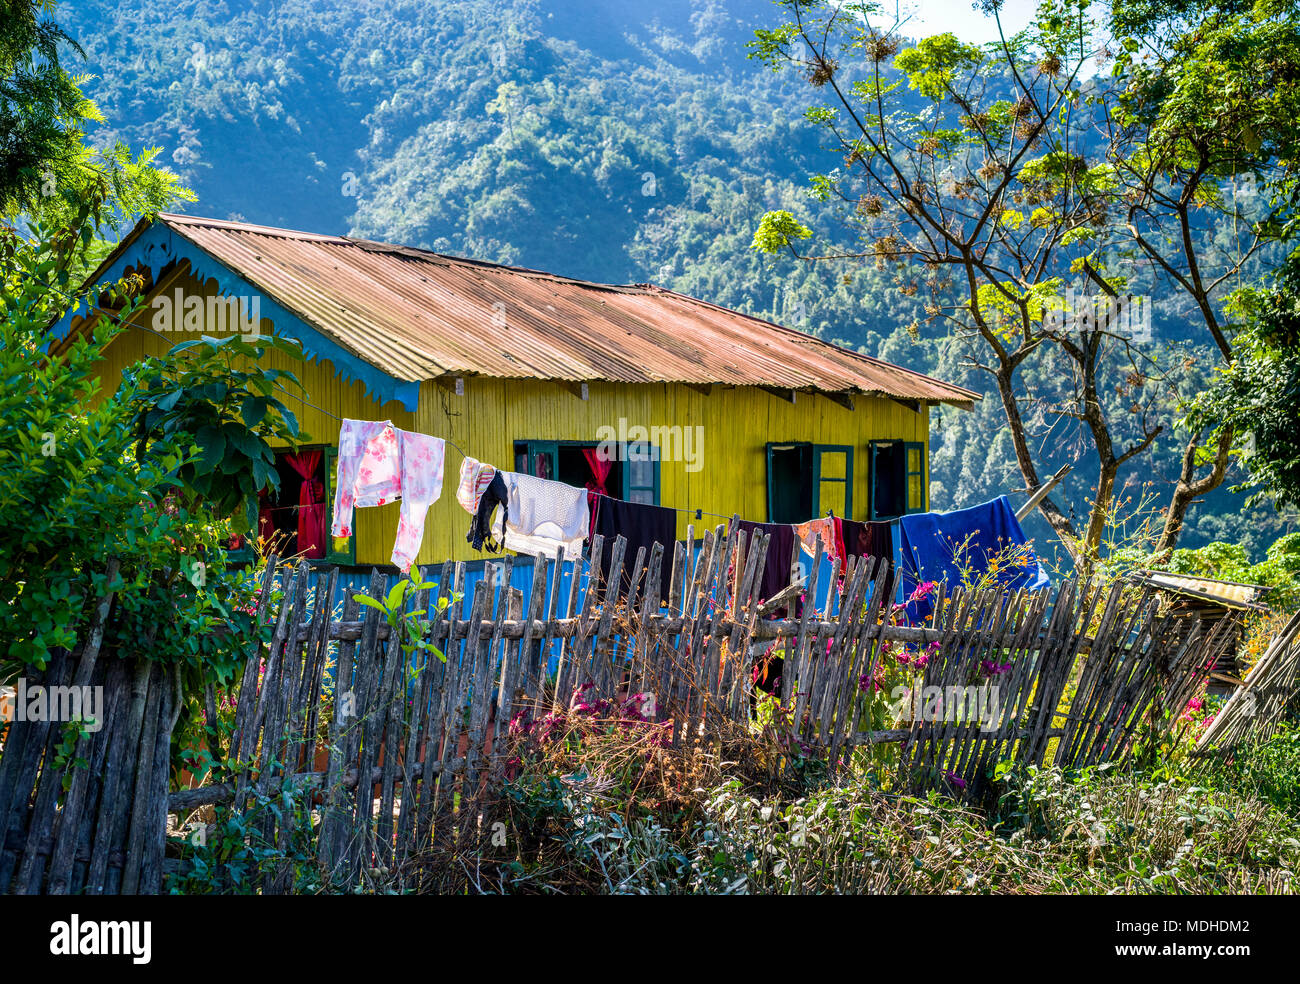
922	591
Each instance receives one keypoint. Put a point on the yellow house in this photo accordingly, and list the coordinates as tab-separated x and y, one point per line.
708	409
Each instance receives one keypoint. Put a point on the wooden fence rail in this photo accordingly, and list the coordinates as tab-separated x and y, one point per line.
412	735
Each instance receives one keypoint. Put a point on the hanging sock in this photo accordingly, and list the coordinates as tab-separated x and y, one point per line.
545	516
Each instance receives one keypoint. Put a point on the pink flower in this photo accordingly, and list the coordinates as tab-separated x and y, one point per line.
922	591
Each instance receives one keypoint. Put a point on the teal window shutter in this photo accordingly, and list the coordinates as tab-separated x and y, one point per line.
916	477
832	480
641	473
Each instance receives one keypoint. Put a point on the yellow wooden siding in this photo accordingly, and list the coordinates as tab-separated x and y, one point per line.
738	423
377	527
492	414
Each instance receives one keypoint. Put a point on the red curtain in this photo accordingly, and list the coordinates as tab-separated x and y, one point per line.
600	469
311	504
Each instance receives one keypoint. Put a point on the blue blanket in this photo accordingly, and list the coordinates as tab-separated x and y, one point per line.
941	546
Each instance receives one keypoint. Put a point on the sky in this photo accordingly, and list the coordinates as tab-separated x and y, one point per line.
927	17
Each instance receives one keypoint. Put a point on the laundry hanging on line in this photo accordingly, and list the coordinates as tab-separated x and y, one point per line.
780	556
378	464
544	517
828	529
873	539
642	525
974	541
480	491
475	477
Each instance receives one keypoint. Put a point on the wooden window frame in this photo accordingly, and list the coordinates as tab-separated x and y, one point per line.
817	451
923	473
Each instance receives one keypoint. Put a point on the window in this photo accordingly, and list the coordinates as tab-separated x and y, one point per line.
805	481
632	474
279	511
340	549
897	478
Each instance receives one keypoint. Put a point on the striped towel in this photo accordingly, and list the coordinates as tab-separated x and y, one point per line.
475	477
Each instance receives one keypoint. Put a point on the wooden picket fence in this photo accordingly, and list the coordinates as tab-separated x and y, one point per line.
1074	676
91	818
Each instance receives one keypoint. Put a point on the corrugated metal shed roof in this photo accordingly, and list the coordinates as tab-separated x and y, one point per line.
419	315
1230	594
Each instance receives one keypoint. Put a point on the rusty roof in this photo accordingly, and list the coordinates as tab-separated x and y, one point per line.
420	315
1229	594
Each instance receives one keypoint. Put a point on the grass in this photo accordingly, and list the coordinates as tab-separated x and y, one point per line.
731	828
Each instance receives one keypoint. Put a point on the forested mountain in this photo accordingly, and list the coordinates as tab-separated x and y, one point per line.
604	140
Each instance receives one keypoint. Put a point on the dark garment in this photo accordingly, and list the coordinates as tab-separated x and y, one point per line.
870	540
780	554
867	539
480	527
641	525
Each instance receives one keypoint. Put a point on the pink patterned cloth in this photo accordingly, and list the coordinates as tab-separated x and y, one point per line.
377	463
422	464
365	476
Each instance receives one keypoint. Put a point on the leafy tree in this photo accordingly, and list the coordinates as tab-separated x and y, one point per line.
1023	185
48	169
214	391
84	513
1256	397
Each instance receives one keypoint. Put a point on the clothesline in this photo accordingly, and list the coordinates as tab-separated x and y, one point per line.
925	545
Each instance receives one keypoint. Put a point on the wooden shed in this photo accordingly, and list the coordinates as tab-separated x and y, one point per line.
1205	602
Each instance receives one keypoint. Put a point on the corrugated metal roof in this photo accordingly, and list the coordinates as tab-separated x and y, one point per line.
419	315
1231	594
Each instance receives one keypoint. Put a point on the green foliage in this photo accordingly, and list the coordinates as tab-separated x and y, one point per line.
232	855
49	169
74	495
1279	570
1101	832
777	230
1258	393
217	392
933	66
410	626
1269	770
